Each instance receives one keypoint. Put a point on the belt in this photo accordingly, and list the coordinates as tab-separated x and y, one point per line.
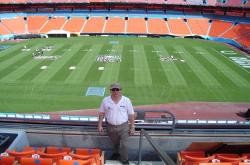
125	123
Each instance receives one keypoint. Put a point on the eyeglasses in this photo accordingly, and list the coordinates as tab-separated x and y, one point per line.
115	89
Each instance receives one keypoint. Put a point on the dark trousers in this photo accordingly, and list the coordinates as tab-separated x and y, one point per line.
119	134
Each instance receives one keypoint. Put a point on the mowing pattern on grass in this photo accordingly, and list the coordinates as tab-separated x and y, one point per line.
209	72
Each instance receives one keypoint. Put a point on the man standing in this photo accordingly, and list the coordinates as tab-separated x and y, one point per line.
118	110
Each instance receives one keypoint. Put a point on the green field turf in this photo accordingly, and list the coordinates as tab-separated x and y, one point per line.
207	74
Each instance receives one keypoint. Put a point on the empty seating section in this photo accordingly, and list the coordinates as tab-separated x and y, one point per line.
218	27
115	25
3	30
198	26
20	1
55	23
175	2
234	3
157	26
53	155
211	2
35	23
195	2
94	25
15	25
74	24
6	1
237	31
199	158
178	27
136	25
39	1
245	41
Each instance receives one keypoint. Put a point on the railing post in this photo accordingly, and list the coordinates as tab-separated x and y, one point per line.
140	147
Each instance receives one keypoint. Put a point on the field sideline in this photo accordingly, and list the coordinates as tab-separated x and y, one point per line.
151	71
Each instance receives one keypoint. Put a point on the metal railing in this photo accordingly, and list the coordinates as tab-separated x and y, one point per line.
163	156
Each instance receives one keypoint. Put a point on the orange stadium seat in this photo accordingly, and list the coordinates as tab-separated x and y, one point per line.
54	157
78	162
192	160
35	23
136	25
7	160
22	154
87	151
198	26
15	25
36	149
218	27
55	23
96	158
3	30
182	29
115	25
94	25
74	24
215	164
157	26
237	31
36	161
232	158
57	150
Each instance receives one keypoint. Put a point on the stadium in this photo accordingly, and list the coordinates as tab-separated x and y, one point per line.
184	64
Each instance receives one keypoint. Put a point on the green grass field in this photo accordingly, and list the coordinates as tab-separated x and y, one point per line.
203	74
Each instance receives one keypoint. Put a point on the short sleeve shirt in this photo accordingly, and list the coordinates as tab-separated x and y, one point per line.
116	114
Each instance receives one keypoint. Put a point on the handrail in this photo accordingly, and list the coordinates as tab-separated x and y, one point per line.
164	157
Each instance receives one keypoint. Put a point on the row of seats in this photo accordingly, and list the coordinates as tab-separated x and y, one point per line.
53	155
172	26
183	2
200	158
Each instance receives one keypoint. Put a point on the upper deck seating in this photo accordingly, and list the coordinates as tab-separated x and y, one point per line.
74	24
55	23
237	31
198	26
157	26
15	25
6	1
58	1
135	1
94	25
157	1
176	2
182	29
3	30
218	27
215	164
115	25
195	2
211	2
39	1
20	1
35	23
136	25
234	3
79	1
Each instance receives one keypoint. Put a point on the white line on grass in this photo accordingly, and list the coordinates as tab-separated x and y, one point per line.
229	59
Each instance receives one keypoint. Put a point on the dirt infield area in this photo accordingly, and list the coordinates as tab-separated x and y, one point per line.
183	110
